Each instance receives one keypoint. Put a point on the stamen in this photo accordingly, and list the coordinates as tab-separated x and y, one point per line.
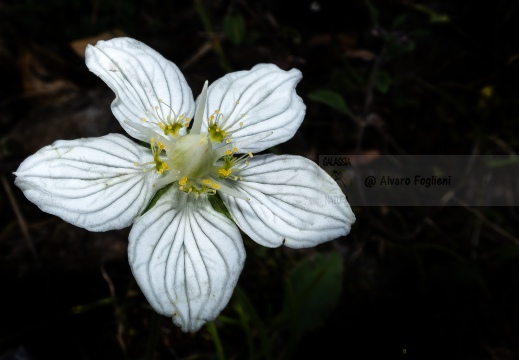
208	187
224	150
168	126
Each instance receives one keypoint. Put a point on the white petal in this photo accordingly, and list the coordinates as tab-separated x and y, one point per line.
140	76
92	183
293	202
268	100
186	258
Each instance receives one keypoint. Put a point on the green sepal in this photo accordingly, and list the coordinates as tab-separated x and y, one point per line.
218	205
156	198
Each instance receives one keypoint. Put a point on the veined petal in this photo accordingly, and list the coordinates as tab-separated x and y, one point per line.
140	77
261	100
186	258
92	183
293	202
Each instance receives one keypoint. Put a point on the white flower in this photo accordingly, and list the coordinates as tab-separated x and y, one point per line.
186	256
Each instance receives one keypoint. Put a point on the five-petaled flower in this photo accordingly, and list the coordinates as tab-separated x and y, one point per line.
185	256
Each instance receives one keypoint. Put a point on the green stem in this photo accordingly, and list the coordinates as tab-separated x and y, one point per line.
217	47
216	340
153	338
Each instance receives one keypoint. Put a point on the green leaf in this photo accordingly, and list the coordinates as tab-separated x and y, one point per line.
330	98
234	28
399	21
434	17
383	81
315	288
252	323
373	12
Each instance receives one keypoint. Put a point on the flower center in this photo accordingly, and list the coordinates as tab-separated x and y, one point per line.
192	162
192	156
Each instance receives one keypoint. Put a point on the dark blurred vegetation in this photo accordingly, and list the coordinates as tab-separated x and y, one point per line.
387	77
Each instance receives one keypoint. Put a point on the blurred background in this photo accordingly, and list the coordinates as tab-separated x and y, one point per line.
379	77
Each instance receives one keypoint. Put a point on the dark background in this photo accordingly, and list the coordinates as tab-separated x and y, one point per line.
379	77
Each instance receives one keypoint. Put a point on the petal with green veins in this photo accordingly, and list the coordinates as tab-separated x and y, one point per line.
293	202
93	183
186	258
261	100
140	77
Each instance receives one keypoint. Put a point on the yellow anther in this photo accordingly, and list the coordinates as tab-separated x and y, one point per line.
183	181
241	123
215	186
160	100
186	124
211	117
250	155
228	152
223	133
242	115
235	149
237	102
206	181
225	172
156	107
217	129
235	178
162	126
143	120
228	141
188	119
136	164
216	111
161	145
181	188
